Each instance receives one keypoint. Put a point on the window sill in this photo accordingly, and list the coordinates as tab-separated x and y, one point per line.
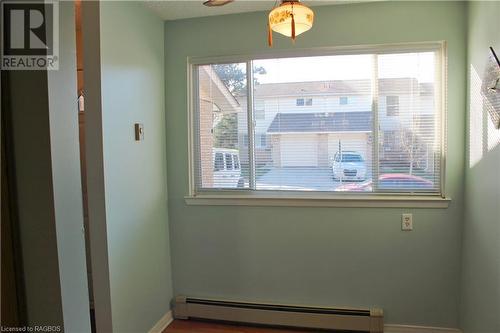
304	200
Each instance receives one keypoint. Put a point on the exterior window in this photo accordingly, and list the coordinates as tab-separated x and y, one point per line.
263	140
219	162
380	146
304	102
229	162
392	104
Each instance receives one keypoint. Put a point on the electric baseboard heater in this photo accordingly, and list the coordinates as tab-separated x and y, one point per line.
361	320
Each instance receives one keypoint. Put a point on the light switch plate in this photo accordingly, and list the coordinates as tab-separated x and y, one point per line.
407	222
139	132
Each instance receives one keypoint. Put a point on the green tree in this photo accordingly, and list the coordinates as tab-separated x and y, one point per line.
226	131
233	76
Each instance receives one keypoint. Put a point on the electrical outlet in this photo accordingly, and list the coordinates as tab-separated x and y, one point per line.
407	222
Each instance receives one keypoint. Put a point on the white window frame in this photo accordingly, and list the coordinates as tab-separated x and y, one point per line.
248	197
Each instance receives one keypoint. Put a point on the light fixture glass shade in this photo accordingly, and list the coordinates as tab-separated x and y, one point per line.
280	18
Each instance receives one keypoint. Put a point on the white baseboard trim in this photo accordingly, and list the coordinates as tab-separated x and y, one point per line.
393	328
162	323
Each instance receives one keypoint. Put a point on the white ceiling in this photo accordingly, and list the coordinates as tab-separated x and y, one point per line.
175	9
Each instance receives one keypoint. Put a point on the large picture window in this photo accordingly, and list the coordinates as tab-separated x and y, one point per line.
251	131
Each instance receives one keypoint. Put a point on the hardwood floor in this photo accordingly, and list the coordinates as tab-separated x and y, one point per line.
190	326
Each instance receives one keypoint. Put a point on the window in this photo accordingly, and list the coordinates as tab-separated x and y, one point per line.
380	146
304	102
219	162
229	162
263	140
392	105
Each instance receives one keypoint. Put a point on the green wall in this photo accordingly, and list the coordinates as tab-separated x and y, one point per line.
66	178
132	88
320	256
480	305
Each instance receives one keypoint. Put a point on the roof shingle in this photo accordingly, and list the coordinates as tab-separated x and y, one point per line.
321	122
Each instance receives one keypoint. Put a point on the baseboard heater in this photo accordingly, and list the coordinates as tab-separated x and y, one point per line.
361	320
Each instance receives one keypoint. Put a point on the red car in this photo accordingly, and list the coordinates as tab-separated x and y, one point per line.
389	181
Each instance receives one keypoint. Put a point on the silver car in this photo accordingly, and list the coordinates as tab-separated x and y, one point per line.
349	166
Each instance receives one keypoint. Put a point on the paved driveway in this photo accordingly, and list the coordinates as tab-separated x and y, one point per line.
308	179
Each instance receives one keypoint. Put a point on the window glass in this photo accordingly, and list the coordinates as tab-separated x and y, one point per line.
219	162
303	142
221	125
229	162
324	147
263	140
392	105
409	123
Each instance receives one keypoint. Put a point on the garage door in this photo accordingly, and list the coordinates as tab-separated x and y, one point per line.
349	142
299	150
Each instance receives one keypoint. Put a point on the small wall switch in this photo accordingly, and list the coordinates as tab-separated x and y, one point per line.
139	132
407	222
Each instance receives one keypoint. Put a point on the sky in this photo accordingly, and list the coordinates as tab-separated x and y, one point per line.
346	67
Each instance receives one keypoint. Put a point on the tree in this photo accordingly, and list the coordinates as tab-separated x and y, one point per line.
412	146
234	77
225	131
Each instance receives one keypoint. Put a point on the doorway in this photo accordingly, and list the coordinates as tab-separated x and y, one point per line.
83	164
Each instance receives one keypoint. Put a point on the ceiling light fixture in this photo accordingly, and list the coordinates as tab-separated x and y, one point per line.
290	18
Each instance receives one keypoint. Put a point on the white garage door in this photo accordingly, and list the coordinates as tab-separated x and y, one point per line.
349	142
299	150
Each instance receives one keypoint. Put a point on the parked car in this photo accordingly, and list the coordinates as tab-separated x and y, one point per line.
349	166
227	168
389	181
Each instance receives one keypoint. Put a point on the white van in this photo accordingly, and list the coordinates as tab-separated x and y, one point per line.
227	168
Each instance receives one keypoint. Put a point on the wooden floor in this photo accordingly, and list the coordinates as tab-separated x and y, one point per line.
190	326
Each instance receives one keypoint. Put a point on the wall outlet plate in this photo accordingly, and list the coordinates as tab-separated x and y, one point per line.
407	222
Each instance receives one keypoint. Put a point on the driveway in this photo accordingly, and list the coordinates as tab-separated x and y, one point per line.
304	179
